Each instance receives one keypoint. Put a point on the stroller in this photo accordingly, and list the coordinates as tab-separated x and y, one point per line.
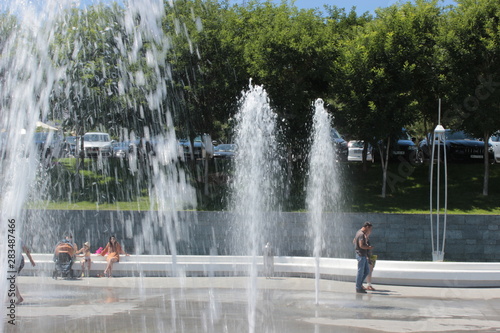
63	259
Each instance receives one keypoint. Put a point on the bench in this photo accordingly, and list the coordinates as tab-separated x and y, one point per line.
411	273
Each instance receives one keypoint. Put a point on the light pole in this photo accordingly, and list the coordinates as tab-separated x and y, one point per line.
438	139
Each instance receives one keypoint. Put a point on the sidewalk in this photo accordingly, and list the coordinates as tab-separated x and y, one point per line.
220	304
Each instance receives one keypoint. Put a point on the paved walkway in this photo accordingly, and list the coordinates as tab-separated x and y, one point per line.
220	304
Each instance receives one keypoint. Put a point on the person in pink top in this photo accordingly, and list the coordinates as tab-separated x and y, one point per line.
113	249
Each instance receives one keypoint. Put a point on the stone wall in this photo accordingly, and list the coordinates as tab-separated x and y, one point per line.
395	236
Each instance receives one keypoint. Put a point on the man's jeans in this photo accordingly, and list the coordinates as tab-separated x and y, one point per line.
363	271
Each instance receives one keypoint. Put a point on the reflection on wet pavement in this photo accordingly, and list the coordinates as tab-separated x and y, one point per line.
220	305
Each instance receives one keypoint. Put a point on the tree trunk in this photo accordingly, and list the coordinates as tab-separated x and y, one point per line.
486	164
363	156
385	163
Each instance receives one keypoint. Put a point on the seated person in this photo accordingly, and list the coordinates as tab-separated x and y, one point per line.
64	247
113	249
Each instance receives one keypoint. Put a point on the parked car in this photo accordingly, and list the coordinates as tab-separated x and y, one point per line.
97	144
341	149
225	150
71	146
200	144
186	147
356	151
403	146
48	143
123	149
494	141
460	146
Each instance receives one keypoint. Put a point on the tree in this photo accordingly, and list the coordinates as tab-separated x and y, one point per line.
111	83
378	67
206	66
472	43
289	52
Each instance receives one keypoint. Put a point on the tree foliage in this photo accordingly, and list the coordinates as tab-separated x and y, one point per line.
378	73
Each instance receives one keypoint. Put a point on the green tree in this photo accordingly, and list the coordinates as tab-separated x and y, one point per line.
111	82
472	42
378	69
289	52
206	66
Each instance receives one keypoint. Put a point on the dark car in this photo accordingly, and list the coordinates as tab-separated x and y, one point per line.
402	146
225	150
460	146
198	147
48	144
123	149
341	147
71	146
405	147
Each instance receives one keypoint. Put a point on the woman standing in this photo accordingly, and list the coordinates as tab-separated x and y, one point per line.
113	249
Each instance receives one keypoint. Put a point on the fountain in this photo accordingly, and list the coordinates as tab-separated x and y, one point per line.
253	189
35	72
322	186
31	72
27	92
28	76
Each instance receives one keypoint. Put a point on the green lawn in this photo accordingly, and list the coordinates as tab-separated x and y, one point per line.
407	190
409	187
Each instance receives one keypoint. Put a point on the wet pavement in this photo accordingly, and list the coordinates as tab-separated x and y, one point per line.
221	304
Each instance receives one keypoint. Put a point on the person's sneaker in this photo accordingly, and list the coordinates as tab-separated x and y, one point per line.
361	291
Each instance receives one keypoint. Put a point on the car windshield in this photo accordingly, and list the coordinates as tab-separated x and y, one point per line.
335	134
45	136
96	138
404	135
41	136
458	135
125	144
356	144
225	147
71	139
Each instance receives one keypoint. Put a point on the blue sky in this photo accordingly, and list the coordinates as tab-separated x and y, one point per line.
361	5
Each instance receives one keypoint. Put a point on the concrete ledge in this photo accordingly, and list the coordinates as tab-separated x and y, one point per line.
409	273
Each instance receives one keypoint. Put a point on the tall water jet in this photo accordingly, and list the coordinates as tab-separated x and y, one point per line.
322	183
27	77
256	172
43	78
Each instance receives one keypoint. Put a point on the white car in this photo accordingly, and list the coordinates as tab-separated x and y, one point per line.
356	151
97	144
495	144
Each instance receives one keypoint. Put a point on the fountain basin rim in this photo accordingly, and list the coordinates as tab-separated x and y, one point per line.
405	273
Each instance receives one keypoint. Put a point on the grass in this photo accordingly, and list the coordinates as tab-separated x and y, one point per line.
407	190
142	204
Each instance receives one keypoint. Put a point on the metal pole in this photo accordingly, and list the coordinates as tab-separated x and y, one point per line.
438	180
431	190
439	136
445	193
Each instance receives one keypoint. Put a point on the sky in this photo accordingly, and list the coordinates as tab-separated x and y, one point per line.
361	5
